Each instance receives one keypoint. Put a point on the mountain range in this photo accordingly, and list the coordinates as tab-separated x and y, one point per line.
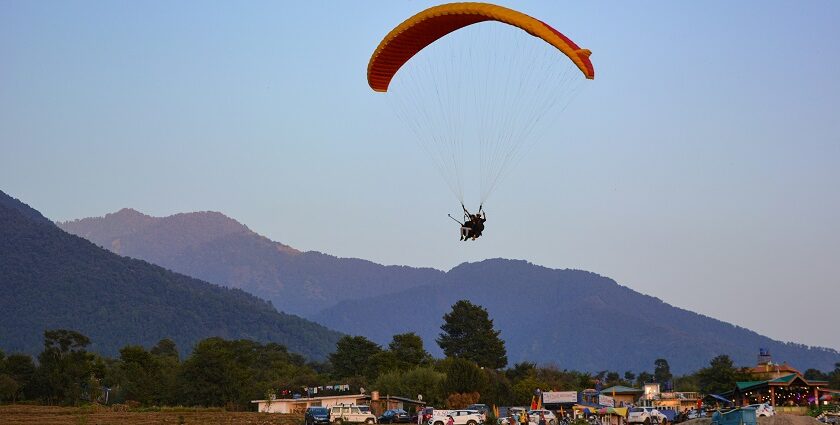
218	249
572	318
50	279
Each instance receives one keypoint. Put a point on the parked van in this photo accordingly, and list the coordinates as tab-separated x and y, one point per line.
351	414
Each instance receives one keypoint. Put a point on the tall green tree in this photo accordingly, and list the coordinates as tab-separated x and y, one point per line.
612	378
8	388
143	375
352	357
166	357
408	349
165	348
65	367
719	377
21	368
468	333
662	371
834	377
815	375
644	378
217	373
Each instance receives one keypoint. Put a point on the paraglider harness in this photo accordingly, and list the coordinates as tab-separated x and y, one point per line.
473	225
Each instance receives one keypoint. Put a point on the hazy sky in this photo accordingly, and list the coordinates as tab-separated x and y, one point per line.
700	166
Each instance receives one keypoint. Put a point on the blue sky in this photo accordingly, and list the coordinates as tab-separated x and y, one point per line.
700	166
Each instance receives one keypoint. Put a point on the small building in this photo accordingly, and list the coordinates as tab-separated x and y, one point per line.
790	394
623	396
299	405
676	401
379	403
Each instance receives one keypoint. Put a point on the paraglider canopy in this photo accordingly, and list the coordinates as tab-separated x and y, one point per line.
424	28
473	81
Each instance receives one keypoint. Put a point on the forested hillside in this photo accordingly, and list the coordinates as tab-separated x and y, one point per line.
218	249
51	279
571	318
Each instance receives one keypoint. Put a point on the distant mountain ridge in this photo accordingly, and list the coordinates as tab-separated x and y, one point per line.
575	319
572	318
50	279
218	249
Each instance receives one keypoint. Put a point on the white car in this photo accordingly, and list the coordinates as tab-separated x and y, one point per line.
550	417
646	415
533	416
763	410
350	414
461	417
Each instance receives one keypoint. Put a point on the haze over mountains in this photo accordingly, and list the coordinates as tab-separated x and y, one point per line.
50	279
574	319
218	249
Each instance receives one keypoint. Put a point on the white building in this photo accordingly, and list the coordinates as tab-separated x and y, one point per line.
299	405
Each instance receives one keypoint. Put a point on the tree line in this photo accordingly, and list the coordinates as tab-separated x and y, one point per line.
231	373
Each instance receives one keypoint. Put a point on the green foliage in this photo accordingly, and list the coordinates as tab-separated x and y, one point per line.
662	371
409	351
50	277
564	380
468	333
144	376
524	390
687	383
21	369
498	389
8	387
65	367
231	373
644	378
720	376
462	376
423	381
521	370
834	377
353	355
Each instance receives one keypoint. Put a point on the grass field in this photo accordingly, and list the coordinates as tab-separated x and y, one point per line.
97	415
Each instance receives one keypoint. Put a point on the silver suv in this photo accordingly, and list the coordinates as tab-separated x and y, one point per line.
351	414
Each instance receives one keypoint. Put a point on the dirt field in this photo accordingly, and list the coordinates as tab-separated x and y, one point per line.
780	419
52	415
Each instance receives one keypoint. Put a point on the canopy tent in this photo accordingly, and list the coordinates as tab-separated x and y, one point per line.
620	411
720	398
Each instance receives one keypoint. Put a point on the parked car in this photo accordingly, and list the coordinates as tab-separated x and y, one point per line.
427	413
482	408
763	410
461	417
504	414
316	416
533	415
646	415
350	414
394	416
550	417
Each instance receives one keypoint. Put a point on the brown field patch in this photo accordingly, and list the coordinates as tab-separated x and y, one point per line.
100	415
